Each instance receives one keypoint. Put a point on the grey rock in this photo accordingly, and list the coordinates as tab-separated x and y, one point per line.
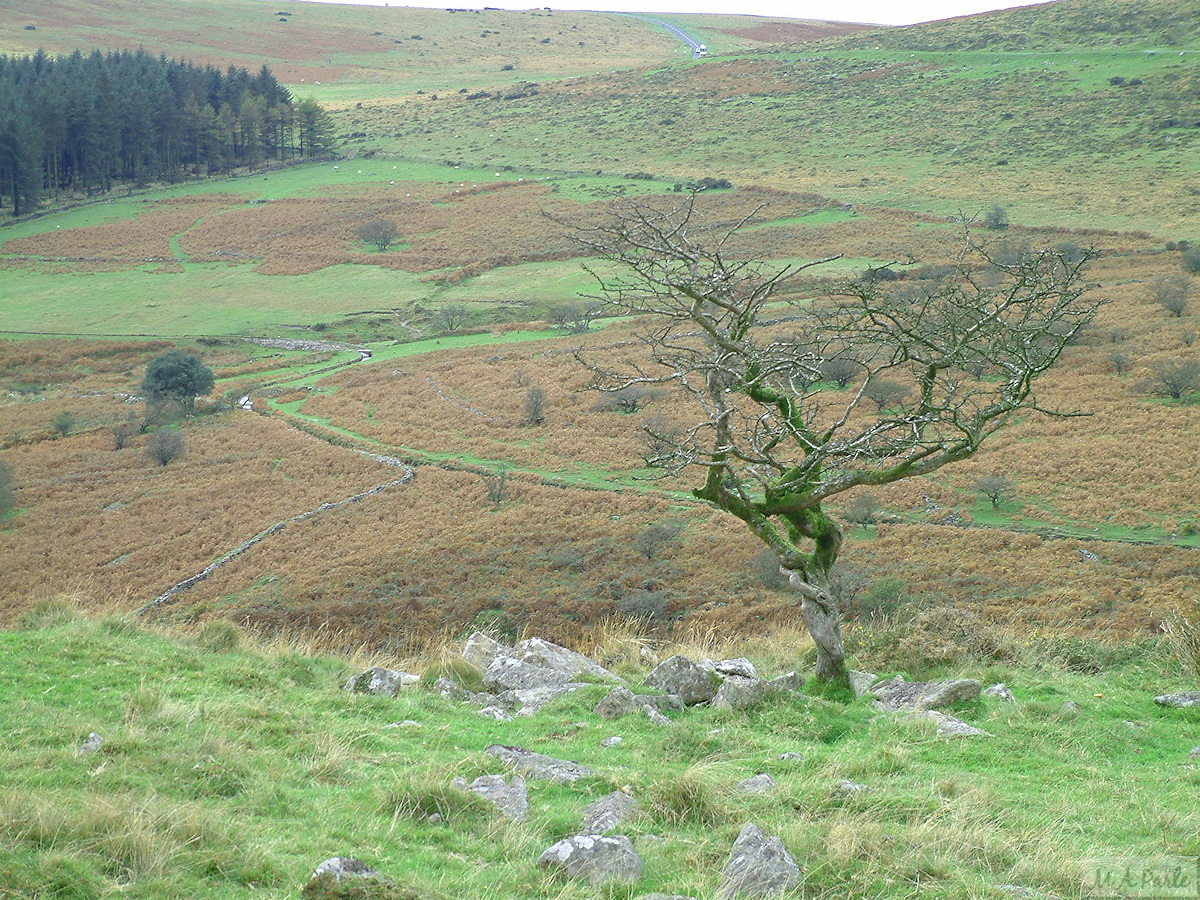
1195	751
620	701
948	726
611	741
665	897
758	866
761	783
1179	700
654	715
860	682
495	712
547	655
684	678
538	765
920	695
531	700
847	788
407	723
509	673
740	693
91	744
341	868
647	657
740	667
1000	692
481	651
1069	708
511	799
595	859
381	681
607	813
1020	892
791	754
790	681
451	690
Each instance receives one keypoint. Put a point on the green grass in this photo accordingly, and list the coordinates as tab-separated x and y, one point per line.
228	773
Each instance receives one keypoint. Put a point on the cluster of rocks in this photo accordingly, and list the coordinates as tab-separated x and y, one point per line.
925	699
521	679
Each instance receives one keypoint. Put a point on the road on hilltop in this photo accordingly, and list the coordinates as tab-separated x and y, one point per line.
697	48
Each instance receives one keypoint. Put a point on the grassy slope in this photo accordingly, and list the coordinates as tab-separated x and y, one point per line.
203	743
923	117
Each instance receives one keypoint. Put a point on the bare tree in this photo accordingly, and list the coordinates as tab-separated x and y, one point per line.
883	392
1174	378
534	406
164	445
773	446
994	487
379	232
122	433
495	483
452	316
654	538
1172	293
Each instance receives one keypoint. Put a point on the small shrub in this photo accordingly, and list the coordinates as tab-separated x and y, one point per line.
326	887
534	406
995	217
7	497
48	613
122	433
940	637
686	798
417	795
458	670
649	606
219	636
380	232
1190	259
165	445
64	423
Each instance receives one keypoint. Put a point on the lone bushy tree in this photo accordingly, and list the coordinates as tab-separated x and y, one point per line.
379	232
176	377
772	442
7	500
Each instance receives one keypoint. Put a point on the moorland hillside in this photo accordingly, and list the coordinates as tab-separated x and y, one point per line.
481	300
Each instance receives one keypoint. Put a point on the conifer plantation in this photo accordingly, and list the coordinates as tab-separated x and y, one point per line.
84	123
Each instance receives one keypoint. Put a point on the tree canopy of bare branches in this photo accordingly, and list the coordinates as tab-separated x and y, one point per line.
774	438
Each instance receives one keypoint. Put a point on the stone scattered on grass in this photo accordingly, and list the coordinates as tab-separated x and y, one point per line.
1179	700
595	859
847	788
761	783
1000	692
381	681
740	693
611	741
790	681
607	813
860	682
538	765
654	715
1069	708
91	744
511	799
948	726
495	712
758	866
739	667
897	694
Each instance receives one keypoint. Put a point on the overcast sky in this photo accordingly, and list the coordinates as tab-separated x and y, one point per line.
881	12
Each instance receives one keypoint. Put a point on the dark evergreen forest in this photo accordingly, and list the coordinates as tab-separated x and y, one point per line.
81	124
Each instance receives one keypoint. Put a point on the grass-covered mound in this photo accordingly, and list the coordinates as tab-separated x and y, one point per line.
230	769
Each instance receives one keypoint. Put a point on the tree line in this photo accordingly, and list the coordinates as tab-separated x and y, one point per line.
84	122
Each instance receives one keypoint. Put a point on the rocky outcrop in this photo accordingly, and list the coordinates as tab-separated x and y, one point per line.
684	678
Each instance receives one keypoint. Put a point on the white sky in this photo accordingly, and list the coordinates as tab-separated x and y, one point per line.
881	12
